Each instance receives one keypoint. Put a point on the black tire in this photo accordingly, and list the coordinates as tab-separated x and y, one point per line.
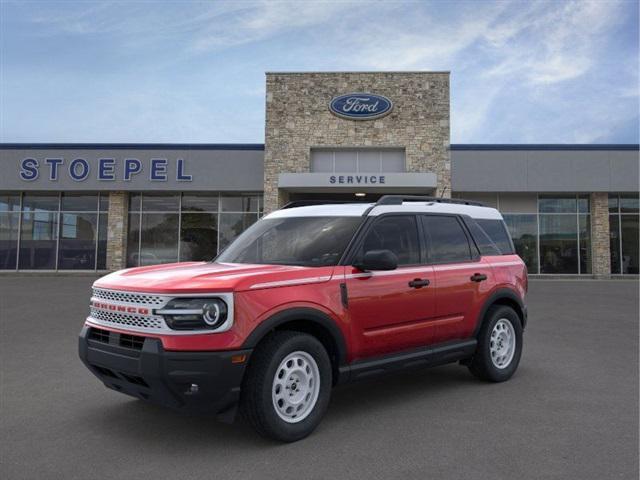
257	404
481	364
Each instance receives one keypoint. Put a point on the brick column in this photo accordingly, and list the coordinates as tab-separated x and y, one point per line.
600	251
117	230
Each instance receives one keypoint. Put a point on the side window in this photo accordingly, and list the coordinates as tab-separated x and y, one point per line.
484	243
497	231
396	233
447	241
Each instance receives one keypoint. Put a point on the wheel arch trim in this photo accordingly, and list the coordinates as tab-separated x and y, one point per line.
300	314
495	298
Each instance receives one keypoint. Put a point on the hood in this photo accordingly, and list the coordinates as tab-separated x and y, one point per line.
202	277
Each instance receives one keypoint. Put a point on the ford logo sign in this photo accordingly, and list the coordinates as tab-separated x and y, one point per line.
360	106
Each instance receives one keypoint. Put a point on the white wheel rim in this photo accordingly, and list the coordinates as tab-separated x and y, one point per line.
503	343
296	386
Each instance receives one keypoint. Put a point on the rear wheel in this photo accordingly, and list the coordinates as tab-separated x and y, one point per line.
288	385
499	345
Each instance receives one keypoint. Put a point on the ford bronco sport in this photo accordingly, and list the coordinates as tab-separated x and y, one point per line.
309	297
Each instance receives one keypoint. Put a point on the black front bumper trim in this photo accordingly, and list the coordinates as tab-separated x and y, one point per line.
166	377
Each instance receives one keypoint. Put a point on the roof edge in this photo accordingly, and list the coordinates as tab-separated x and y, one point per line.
132	146
544	146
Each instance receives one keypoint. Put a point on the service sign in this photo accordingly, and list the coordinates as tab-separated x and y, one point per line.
360	106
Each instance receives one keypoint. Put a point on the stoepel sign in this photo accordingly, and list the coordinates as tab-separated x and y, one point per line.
360	106
107	169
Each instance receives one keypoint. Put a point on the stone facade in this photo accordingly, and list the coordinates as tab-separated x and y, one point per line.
298	119
600	247
117	230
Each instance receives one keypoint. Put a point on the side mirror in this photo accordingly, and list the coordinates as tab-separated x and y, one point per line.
378	260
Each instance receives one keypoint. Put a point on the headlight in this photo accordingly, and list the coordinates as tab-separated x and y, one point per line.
194	313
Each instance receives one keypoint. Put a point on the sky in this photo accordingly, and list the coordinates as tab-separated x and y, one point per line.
193	72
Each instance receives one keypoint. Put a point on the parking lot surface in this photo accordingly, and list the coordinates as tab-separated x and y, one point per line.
570	412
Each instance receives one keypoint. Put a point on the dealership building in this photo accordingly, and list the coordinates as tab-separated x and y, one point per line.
571	209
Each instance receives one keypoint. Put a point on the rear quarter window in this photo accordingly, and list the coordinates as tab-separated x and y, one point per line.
496	230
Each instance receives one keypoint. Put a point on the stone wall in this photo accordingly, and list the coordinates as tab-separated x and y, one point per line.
298	119
600	248
117	230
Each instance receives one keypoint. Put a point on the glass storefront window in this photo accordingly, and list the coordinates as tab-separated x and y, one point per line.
53	231
584	236
623	234
200	202
239	203
79	202
159	238
153	202
78	235
9	222
565	234
38	240
629	204
198	236
629	238
557	204
192	226
9	202
558	244
524	232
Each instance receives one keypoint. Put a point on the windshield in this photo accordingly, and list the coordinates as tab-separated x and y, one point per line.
305	241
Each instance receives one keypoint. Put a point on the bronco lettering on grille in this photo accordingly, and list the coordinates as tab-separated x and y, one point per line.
119	308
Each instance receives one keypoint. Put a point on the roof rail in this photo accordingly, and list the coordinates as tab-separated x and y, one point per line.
398	199
307	203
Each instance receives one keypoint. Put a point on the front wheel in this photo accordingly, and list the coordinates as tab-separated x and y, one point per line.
499	345
288	385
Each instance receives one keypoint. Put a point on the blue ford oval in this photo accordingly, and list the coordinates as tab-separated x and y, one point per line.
360	106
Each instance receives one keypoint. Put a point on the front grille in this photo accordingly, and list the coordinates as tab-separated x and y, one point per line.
128	320
130	298
99	335
131	341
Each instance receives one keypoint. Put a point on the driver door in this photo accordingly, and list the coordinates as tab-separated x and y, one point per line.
388	313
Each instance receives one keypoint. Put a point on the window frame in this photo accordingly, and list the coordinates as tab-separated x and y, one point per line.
362	232
474	252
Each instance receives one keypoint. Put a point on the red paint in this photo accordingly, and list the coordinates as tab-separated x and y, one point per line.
384	313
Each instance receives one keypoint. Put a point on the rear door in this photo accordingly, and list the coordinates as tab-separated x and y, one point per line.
391	310
462	279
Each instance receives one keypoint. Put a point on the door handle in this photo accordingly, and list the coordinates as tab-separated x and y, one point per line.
478	277
419	283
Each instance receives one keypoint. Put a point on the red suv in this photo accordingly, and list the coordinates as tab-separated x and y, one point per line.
309	297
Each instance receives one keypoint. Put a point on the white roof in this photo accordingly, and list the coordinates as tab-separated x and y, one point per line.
358	209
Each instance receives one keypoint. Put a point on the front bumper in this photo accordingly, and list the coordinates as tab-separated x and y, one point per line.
205	382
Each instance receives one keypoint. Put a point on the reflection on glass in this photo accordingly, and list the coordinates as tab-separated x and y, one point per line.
524	232
159	238
558	244
133	240
583	203
239	203
585	243
40	201
200	202
9	202
613	203
232	225
77	247
557	204
8	240
630	245
101	263
614	242
79	202
629	204
198	236
38	240
158	202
